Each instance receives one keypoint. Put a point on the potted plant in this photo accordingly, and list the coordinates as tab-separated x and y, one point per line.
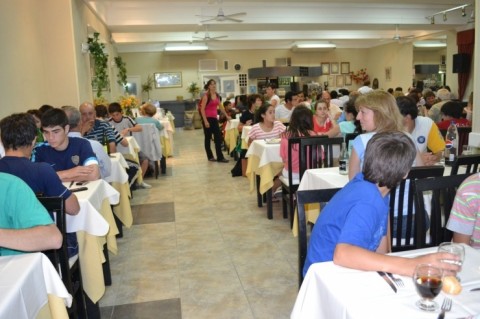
193	89
122	73
100	63
147	86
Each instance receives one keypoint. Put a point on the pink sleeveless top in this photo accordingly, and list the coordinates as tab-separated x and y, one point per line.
211	108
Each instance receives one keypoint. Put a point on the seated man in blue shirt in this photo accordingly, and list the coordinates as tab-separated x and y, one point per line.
25	225
18	133
71	157
351	231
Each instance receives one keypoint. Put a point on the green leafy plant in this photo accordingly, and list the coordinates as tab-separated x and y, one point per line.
147	86
122	72
100	64
193	89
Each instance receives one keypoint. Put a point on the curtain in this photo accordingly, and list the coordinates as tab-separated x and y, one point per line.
465	43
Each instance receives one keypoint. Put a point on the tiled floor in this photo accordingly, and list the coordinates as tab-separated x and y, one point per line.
201	248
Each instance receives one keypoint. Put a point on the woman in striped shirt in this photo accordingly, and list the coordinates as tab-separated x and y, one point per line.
266	127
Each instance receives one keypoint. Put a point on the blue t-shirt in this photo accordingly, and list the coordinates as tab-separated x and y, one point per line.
39	176
78	153
356	215
20	208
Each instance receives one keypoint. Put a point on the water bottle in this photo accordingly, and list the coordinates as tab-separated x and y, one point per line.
451	143
343	160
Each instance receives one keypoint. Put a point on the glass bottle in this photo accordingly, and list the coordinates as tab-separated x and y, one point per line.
343	160
451	143
105	143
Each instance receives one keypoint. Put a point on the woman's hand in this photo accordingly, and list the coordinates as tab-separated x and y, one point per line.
207	125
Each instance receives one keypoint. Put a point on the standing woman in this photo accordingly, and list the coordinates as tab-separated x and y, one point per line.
208	110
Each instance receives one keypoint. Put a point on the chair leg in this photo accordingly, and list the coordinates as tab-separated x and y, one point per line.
107	275
119	226
156	170
163	165
93	309
284	203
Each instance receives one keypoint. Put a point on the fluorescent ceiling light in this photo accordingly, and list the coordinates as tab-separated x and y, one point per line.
185	47
314	45
429	44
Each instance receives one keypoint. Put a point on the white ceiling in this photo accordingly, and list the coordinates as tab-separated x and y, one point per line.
146	25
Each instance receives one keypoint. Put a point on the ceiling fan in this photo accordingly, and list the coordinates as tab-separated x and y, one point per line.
207	36
221	16
397	36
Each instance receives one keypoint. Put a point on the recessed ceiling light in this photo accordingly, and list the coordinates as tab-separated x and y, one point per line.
429	44
185	47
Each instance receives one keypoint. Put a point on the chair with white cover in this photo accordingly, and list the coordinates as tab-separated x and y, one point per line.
149	141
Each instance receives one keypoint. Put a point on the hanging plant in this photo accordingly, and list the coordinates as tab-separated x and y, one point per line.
147	86
122	73
100	65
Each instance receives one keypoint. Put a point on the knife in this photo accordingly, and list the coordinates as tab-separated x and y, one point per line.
388	280
475	289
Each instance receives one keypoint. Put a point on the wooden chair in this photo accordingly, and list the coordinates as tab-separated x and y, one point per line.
289	186
350	137
403	236
442	191
303	198
470	161
69	271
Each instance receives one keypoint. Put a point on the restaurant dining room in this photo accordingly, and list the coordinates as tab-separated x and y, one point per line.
249	159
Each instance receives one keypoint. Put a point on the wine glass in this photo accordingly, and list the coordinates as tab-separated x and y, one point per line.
455	249
428	282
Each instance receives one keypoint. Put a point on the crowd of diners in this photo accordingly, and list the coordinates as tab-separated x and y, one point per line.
43	152
397	130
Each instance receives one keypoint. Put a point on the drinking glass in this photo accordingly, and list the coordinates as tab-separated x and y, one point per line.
428	282
467	150
455	249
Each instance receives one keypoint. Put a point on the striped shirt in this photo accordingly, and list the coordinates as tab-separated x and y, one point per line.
256	133
101	128
465	215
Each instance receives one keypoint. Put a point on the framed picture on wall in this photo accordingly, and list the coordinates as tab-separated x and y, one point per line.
331	80
388	73
340	80
345	67
334	68
348	80
325	68
168	79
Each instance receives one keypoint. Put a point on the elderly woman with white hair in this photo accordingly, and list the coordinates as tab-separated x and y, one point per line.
434	113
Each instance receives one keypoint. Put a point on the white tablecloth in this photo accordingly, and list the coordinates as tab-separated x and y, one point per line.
25	282
118	173
329	292
232	124
131	151
263	160
245	130
322	178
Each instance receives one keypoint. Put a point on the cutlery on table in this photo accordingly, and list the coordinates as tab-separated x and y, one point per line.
446	306
388	280
475	289
397	281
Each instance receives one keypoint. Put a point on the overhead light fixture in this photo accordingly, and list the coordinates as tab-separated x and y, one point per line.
444	13
429	44
314	45
185	47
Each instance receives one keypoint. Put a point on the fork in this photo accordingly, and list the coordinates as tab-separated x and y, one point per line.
446	306
397	281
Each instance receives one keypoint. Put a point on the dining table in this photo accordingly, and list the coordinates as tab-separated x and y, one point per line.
264	163
130	152
245	130
330	291
231	134
95	226
119	180
166	137
30	287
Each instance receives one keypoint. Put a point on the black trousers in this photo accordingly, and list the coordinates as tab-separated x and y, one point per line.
213	130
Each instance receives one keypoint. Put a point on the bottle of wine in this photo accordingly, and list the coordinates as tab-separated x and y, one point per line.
343	160
451	143
105	143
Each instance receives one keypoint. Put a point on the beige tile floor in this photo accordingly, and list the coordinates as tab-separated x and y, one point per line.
221	257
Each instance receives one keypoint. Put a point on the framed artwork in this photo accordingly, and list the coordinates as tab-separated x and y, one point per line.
345	67
334	68
331	80
325	68
340	80
168	80
388	73
348	80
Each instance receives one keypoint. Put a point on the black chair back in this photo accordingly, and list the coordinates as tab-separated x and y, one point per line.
71	275
317	152
289	189
350	137
442	191
471	163
402	229
303	198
